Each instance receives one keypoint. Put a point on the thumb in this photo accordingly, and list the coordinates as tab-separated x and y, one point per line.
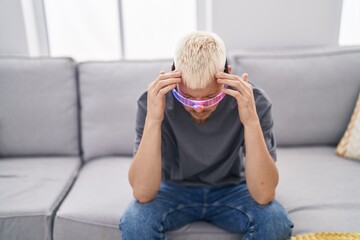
245	77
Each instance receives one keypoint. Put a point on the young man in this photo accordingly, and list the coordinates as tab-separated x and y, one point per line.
195	127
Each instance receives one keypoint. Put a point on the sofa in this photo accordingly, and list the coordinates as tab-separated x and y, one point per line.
67	132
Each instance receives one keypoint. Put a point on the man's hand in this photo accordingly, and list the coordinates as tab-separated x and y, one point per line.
243	93
164	83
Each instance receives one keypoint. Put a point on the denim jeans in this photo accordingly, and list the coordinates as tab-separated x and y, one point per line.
230	208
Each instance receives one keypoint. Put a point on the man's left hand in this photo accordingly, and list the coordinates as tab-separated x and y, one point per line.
242	91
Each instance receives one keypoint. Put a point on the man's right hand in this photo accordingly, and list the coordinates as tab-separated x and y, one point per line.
164	83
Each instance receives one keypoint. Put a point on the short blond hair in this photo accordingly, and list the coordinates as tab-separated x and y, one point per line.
198	56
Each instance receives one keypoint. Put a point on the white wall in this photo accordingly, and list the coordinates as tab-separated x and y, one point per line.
241	23
276	23
350	23
13	39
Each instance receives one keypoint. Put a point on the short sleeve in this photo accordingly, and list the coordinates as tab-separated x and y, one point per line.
267	123
264	110
140	120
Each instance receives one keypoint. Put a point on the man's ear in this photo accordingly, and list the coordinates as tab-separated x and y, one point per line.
229	69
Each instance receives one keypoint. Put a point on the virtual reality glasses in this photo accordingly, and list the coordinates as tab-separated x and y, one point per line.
195	104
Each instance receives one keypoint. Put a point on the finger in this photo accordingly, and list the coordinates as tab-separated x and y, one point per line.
154	84
236	94
227	75
167	89
161	84
245	77
162	72
236	84
169	75
239	83
164	76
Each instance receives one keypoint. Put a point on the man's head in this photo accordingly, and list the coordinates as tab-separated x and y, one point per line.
199	56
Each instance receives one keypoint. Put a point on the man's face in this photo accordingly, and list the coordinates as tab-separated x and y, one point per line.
200	114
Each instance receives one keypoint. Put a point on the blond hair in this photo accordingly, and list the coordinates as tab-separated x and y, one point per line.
199	55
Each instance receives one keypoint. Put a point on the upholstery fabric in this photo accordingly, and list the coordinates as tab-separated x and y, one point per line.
312	180
93	208
109	92
328	236
38	107
31	190
101	194
349	145
313	93
312	90
201	231
319	189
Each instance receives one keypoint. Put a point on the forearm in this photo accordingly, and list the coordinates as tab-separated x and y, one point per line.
145	170
261	172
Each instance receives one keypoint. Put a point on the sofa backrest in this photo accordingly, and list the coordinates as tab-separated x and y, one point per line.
38	107
109	93
313	91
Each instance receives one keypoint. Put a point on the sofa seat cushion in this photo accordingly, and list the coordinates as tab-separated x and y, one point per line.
101	194
319	189
31	191
96	202
201	231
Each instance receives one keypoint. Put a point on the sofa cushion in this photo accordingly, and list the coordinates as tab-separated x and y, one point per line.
327	236
38	107
201	231
93	208
31	190
96	202
349	145
319	189
109	92
312	90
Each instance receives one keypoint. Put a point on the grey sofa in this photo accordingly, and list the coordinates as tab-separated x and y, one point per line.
67	130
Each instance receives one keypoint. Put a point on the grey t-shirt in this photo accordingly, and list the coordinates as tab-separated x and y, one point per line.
211	154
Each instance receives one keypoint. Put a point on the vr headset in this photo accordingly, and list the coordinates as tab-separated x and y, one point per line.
195	104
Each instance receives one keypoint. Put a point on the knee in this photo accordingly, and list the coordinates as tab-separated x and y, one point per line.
273	223
137	215
134	216
129	221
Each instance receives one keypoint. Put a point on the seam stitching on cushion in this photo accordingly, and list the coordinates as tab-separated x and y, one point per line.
45	214
87	222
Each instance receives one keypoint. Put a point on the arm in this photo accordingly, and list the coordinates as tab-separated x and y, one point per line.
261	172
145	169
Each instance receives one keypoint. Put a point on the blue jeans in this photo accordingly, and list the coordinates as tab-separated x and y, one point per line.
230	208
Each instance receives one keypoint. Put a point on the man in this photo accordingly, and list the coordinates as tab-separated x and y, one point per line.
195	127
